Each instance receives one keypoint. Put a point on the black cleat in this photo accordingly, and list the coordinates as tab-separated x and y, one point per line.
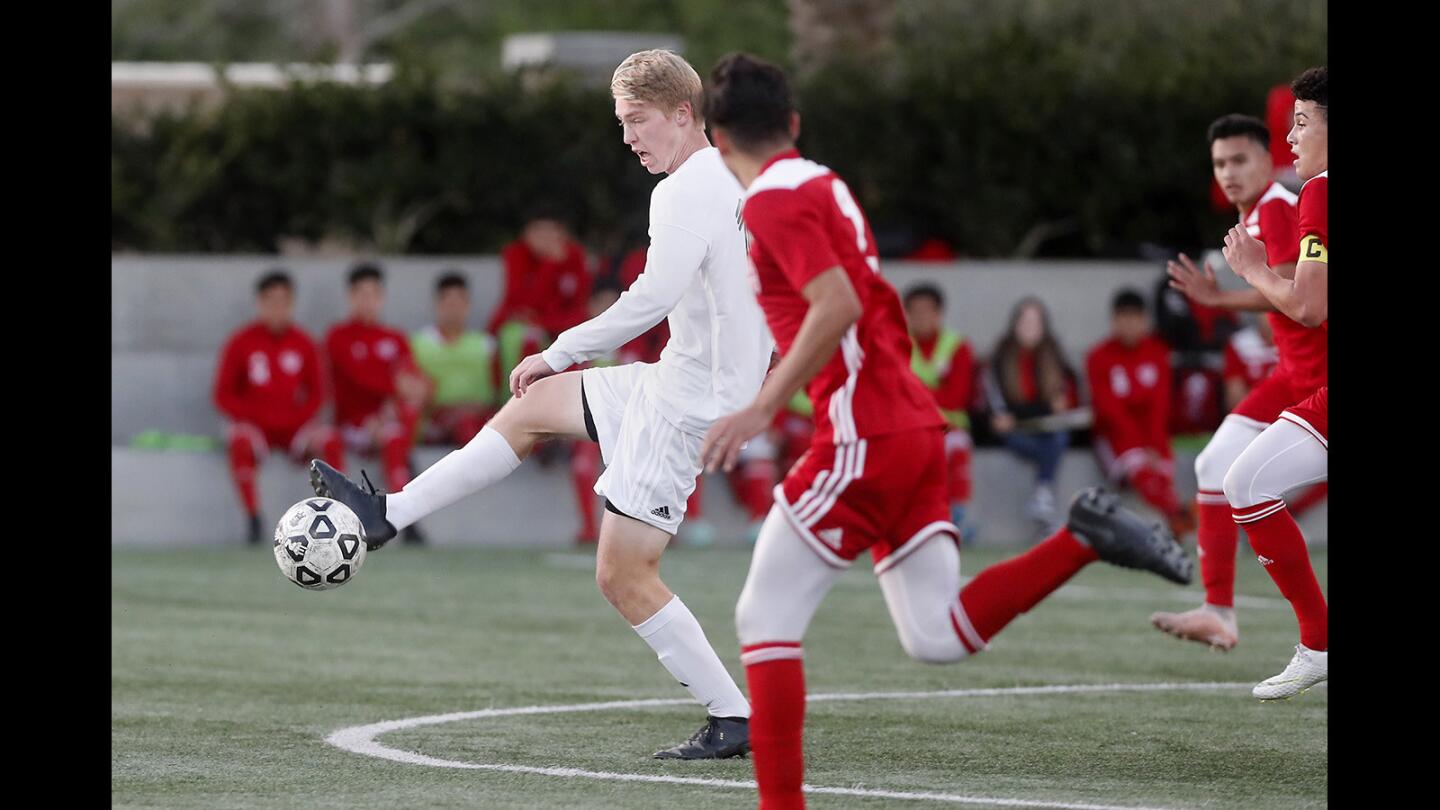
719	738
329	482
253	531
1122	538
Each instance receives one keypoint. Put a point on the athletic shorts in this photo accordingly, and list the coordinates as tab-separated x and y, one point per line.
1269	397
888	494
1313	414
650	465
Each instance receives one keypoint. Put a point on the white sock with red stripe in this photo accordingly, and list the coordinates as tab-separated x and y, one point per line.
677	639
487	458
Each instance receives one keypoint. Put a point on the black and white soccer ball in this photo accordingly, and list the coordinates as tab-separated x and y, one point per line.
319	544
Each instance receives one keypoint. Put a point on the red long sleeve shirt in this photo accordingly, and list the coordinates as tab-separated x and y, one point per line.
364	359
1130	393
273	381
555	291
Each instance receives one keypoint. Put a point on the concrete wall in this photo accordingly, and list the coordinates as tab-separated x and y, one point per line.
171	314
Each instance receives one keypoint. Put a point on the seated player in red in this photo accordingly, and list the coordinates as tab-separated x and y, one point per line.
1240	157
1294	451
270	386
874	477
547	286
379	391
943	361
1129	375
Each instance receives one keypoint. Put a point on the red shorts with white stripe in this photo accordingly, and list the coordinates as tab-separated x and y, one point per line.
1269	397
1313	414
886	493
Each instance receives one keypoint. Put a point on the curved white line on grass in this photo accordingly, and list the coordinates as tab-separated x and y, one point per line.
361	740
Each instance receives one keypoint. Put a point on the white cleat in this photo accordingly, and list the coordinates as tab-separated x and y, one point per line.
1306	669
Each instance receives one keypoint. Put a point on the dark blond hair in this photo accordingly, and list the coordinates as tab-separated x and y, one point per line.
659	77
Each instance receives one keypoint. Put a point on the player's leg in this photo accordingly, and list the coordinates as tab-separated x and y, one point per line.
958	447
785	586
246	445
1283	458
551	408
584	469
1214	622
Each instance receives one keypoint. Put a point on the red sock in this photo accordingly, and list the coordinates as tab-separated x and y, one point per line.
957	464
692	506
1307	499
1156	488
1011	587
242	469
393	455
755	484
777	720
1280	547
1216	540
584	469
333	450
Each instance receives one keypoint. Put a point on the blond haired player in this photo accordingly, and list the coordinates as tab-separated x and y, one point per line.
649	418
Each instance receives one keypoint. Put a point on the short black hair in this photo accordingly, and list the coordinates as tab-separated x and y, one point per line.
451	278
366	271
925	290
1229	126
751	100
1128	300
277	277
1314	85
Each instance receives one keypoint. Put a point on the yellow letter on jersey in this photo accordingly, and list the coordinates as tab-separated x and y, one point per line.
1313	250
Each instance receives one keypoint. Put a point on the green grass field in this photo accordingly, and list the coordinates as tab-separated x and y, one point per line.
226	681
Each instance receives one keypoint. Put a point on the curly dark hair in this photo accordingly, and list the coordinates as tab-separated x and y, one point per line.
1229	126
750	99
1314	85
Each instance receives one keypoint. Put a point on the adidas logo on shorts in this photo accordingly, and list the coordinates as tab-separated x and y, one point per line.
662	512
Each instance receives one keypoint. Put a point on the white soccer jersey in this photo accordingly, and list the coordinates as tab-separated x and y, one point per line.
697	273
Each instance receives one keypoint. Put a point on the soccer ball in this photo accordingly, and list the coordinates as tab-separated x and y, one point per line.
319	544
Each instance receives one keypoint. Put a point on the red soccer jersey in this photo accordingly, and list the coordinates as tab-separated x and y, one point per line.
1130	393
554	292
271	381
802	221
364	359
1304	351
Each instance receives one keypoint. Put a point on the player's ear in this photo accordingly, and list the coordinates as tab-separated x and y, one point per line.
684	113
794	125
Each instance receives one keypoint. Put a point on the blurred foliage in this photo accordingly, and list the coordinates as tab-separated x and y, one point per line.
1047	126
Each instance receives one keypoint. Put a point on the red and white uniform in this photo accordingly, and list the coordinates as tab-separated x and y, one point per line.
1248	358
364	359
1130	394
271	384
1303	352
874	476
1312	413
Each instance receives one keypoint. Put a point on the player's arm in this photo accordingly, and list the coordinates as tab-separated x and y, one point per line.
229	379
671	266
314	385
1304	299
370	377
834	308
1201	287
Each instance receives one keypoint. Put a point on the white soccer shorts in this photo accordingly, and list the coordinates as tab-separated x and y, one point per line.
650	465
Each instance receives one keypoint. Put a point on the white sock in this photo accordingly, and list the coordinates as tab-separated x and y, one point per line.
487	458
676	637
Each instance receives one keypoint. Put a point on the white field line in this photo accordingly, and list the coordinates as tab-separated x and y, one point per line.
361	740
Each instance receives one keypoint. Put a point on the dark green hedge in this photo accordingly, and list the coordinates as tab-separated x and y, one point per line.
1087	123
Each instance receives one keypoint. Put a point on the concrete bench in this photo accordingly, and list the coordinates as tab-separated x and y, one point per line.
164	498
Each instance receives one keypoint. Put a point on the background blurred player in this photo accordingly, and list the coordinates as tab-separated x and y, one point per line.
874	477
1295	450
649	419
1239	152
1129	376
271	386
546	287
378	390
943	361
460	366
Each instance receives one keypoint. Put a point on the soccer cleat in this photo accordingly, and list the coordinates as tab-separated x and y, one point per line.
329	482
253	531
719	738
1203	624
1122	538
1306	669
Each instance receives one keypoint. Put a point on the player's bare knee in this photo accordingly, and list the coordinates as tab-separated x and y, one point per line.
619	579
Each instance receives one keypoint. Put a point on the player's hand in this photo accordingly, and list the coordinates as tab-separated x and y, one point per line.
1003	422
527	371
1200	287
1244	252
724	439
